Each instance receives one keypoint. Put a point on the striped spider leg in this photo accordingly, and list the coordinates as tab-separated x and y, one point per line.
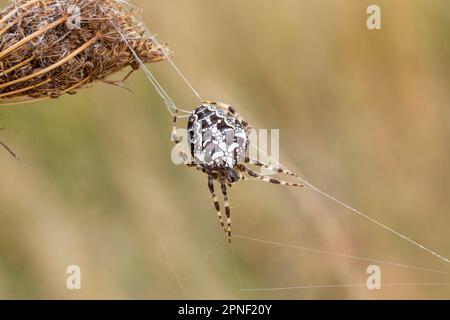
272	168
215	201
268	179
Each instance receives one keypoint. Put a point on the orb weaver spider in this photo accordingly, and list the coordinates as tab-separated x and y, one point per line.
218	139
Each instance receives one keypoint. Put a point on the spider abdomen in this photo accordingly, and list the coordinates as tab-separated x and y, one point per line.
218	139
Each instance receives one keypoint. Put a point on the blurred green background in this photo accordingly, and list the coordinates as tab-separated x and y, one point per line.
364	115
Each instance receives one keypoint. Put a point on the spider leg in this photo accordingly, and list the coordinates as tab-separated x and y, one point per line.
175	137
177	140
227	207
269	167
246	125
215	201
271	180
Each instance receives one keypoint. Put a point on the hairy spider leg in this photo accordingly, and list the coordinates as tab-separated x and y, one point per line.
227	207
271	180
215	201
246	125
177	140
270	167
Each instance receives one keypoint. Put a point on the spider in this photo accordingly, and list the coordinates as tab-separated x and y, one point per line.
218	139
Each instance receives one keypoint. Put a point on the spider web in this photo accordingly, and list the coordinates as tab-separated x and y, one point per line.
172	108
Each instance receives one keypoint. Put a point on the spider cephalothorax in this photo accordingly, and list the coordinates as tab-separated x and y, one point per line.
219	142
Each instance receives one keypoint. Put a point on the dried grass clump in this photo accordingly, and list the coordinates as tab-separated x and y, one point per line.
43	54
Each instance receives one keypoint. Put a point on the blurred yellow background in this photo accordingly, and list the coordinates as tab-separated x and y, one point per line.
364	115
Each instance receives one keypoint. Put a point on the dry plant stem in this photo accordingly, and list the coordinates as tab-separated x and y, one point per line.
75	86
33	35
12	13
25	89
37	44
54	66
8	27
9	150
24	101
17	66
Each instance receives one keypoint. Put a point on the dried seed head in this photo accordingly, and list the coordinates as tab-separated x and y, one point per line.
52	47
